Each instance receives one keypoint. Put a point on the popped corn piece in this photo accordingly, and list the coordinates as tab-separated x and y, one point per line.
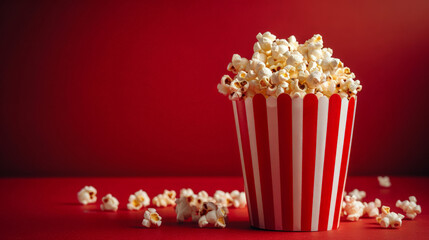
352	208
212	214
109	203
389	219
186	209
371	208
87	194
185	192
410	207
160	201
151	218
238	199
358	194
384	181
138	200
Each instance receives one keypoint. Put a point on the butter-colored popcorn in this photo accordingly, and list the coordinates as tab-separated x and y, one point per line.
186	209
358	194
384	181
389	219
352	208
310	63
87	194
371	208
212	215
138	200
109	203
151	218
410	207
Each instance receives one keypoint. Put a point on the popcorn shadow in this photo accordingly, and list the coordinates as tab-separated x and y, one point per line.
376	226
70	204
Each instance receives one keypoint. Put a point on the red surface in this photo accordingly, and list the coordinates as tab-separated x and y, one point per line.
85	85
47	208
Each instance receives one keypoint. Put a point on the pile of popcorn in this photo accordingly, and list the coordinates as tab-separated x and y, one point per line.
285	66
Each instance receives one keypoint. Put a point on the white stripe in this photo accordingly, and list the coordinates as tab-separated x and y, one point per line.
273	134
237	126
255	163
297	118
338	157
322	125
350	146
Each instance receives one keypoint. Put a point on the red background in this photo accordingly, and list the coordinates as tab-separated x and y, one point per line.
91	88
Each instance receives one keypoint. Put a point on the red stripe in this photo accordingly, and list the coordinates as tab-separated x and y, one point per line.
334	113
284	108
344	159
244	132
309	139
263	146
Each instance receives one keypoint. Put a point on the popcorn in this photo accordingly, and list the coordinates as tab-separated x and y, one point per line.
109	203
352	208
313	65
185	209
138	200
387	218
371	208
186	192
213	215
223	198
358	194
87	195
151	218
168	198
384	181
238	199
410	207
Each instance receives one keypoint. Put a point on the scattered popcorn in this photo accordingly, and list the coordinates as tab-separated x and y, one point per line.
358	194
352	208
410	207
138	200
151	218
387	218
87	195
185	209
305	68
213	215
109	203
384	181
168	198
371	208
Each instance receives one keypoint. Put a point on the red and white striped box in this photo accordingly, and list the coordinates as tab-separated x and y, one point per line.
294	156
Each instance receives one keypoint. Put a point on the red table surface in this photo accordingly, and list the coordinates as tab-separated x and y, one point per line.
47	208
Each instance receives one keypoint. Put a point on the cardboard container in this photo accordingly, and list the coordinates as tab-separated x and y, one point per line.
294	156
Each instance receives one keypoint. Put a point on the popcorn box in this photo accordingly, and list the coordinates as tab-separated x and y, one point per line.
294	156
